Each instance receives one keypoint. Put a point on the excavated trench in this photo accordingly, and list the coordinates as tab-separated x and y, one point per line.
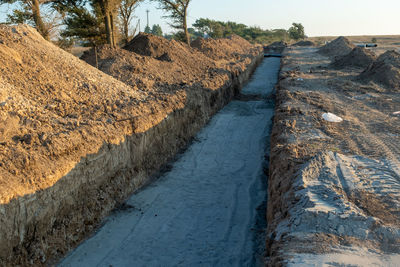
209	207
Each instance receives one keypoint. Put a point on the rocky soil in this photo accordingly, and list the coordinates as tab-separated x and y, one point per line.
334	186
76	141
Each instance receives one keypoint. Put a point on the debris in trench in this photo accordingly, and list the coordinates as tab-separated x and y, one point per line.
331	117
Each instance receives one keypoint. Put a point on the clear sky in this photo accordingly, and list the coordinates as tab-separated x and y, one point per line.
319	17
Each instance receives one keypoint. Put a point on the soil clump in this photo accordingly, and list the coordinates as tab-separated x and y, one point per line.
304	43
358	57
221	49
385	70
339	47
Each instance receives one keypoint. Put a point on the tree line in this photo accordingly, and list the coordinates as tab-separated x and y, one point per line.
98	22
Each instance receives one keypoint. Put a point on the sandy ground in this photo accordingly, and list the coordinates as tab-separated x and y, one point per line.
334	187
203	212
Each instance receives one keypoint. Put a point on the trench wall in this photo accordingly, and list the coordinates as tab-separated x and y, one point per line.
40	228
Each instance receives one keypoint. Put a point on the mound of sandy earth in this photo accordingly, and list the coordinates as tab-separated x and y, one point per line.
304	43
52	106
142	65
223	48
74	141
385	70
339	47
276	47
358	57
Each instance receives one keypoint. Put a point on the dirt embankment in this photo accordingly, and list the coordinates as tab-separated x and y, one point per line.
385	70
338	47
76	141
333	186
358	57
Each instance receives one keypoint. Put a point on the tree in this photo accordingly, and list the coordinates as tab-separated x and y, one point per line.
108	9
147	29
178	11
90	24
156	30
296	32
374	40
85	25
31	10
126	10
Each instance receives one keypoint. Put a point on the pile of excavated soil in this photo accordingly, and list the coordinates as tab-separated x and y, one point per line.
54	108
358	57
304	43
339	47
221	49
142	63
385	70
276	47
75	141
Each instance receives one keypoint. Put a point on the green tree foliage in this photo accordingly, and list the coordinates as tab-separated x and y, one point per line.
156	30
178	11
84	25
374	40
90	24
296	32
219	29
147	29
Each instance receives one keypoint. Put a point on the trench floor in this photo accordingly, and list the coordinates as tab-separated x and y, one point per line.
206	210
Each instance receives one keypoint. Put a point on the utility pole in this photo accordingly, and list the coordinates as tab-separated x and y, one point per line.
147	11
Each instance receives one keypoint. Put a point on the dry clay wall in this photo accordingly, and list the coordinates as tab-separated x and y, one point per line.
38	228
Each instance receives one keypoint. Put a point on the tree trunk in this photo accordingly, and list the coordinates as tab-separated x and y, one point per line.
109	33
187	36
113	32
38	20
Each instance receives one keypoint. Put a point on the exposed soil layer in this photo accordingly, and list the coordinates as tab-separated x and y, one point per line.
385	71
304	43
333	187
358	57
76	141
338	47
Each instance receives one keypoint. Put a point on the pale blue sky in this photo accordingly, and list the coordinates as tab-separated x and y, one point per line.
319	17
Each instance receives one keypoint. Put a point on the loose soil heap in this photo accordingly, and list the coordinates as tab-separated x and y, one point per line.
75	141
304	43
334	196
358	57
276	47
385	70
221	49
339	47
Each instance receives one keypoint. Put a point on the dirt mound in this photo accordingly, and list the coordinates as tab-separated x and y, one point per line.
358	57
338	47
223	48
175	64
276	47
48	97
385	70
304	43
154	46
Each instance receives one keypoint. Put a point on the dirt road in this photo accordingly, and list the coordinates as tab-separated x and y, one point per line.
203	212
